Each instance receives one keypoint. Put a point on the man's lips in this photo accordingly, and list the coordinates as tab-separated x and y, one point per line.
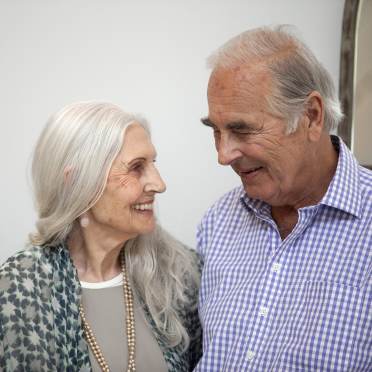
249	171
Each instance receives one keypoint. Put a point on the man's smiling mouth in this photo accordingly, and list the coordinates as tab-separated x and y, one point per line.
249	171
252	170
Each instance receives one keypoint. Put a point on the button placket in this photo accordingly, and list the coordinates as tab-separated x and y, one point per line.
250	355
263	311
276	267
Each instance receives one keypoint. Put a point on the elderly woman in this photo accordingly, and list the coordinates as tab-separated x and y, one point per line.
102	287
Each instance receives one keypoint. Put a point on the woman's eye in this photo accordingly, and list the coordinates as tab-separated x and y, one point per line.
137	167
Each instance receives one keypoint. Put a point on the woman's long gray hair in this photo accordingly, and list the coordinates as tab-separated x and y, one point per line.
71	163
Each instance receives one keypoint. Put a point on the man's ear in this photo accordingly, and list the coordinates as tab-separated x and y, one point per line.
314	115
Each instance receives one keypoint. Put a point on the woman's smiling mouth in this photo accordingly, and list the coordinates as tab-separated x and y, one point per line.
143	207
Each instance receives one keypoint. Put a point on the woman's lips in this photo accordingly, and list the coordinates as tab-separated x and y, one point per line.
143	206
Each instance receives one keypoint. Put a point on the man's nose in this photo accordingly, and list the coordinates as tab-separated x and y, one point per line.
228	151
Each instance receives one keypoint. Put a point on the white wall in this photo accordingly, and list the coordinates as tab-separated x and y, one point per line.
147	56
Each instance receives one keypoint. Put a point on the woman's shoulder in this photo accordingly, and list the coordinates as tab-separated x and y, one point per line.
191	276
195	258
21	271
33	309
192	253
23	261
190	312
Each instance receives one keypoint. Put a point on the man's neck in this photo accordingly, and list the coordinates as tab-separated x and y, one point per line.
320	177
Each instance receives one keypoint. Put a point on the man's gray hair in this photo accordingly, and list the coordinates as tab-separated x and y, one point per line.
295	70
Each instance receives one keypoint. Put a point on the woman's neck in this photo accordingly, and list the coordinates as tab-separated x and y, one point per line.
96	258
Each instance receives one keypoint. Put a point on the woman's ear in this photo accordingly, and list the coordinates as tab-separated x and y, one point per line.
67	174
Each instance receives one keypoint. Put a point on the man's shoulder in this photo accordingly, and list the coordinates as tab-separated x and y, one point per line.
365	178
365	182
228	200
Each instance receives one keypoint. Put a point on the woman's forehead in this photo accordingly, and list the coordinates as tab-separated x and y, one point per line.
137	143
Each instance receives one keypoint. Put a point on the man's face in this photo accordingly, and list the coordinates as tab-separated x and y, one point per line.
270	163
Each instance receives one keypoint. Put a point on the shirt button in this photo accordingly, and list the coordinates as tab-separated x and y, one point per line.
263	311
250	355
276	267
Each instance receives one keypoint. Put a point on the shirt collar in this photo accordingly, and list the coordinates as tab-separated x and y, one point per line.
257	206
343	192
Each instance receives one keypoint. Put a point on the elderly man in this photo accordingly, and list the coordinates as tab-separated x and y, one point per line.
286	284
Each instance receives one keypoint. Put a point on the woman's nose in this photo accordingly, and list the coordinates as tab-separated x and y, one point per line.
155	182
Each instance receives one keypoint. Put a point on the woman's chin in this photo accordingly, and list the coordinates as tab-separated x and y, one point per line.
146	227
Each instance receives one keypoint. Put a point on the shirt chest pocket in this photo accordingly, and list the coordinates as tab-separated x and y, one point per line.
327	327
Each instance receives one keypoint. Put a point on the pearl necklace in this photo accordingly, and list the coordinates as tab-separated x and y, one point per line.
130	326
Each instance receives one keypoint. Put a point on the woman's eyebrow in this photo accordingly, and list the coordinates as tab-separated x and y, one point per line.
129	163
141	159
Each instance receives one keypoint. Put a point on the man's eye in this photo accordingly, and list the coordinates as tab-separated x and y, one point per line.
243	132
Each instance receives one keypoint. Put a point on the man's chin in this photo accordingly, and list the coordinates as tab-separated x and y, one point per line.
259	186
257	192
252	192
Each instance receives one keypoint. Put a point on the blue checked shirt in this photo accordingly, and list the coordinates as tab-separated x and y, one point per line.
301	304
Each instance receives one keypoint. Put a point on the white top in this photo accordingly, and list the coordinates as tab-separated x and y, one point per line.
114	282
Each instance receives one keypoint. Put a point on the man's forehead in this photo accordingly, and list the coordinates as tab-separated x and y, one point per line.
252	79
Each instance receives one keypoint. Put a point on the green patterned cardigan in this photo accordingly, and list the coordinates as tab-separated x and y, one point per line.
40	326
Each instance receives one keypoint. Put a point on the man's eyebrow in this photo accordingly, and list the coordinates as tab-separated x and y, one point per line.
240	125
233	125
206	121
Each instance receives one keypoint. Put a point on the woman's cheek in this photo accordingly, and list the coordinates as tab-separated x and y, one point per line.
132	188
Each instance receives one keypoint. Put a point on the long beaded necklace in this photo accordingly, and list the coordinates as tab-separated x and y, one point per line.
129	322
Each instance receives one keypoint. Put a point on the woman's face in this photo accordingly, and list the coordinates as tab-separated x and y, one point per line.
125	209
